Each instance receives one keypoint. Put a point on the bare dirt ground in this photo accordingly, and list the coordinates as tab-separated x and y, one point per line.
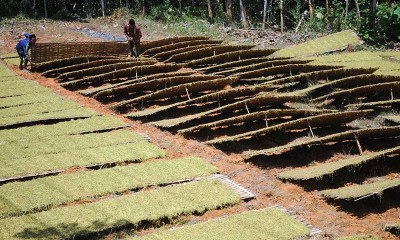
332	220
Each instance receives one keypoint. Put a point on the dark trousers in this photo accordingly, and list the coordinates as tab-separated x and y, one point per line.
23	59
134	48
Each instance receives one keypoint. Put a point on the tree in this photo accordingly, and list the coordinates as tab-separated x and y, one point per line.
281	8
210	11
228	7
372	13
265	14
243	15
103	8
89	10
180	6
45	8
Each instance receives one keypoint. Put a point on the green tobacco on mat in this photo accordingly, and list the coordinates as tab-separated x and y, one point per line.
66	143
132	209
126	152
39	194
45	117
267	224
78	126
362	190
329	168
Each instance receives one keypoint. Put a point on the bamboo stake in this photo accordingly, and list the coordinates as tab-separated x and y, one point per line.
311	131
358	144
187	92
247	108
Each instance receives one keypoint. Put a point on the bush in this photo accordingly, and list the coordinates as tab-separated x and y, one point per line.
387	25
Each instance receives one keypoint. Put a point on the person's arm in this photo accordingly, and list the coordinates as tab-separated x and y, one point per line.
25	47
126	31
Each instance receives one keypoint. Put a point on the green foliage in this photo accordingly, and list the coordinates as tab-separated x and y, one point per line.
387	25
164	12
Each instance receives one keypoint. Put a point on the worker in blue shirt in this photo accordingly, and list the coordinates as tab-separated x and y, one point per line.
23	47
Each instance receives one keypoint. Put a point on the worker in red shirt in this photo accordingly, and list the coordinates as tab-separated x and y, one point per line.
133	34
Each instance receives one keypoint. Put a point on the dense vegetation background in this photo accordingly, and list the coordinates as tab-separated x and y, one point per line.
376	22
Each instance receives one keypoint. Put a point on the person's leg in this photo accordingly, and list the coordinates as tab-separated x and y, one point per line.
131	47
25	61
21	58
137	48
134	49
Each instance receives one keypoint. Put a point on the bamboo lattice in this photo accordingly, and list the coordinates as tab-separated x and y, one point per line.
43	52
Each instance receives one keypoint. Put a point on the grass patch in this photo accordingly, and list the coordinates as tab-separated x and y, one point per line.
262	99
154	85
368	90
173	91
103	68
358	191
127	152
376	104
268	224
109	88
382	132
27	99
392	118
271	113
330	43
10	122
79	126
39	194
66	143
150	206
19	87
137	71
328	119
393	228
37	108
324	169
76	67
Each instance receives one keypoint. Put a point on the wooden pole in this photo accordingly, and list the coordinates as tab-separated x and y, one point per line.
281	7
265	14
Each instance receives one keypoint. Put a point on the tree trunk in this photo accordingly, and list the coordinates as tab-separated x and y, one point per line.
64	6
311	7
327	8
210	11
346	10
357	8
89	10
143	8
269	11
228	6
372	13
265	14
103	8
45	8
127	4
34	8
180	6
281	8
243	15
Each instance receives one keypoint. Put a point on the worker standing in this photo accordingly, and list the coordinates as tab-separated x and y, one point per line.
23	48
133	34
